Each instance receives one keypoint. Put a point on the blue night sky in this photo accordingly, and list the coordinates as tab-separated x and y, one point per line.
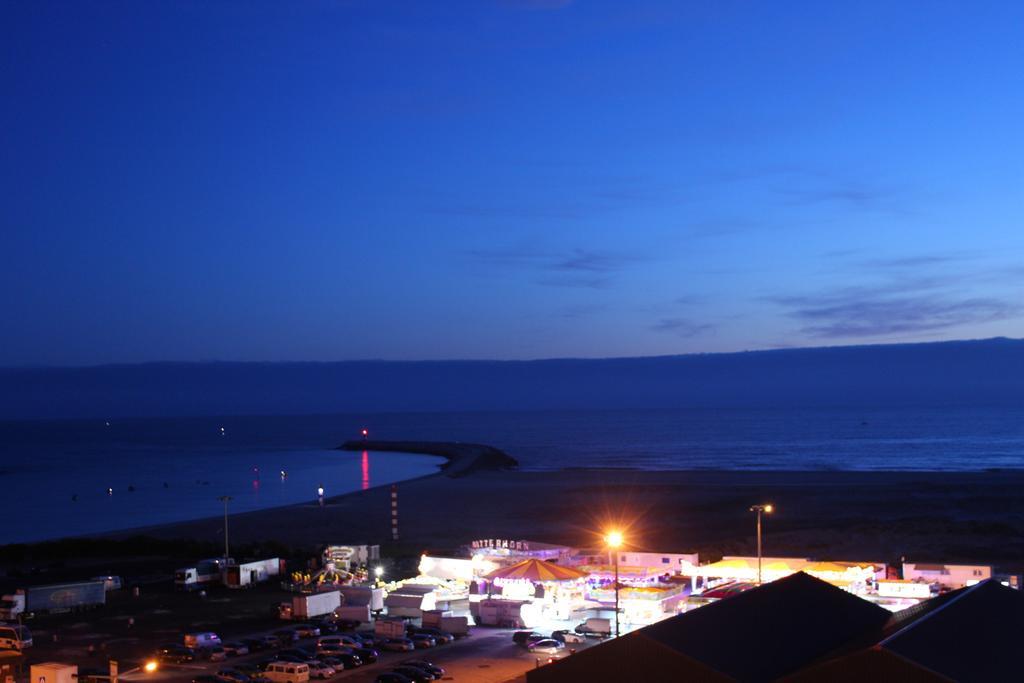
329	180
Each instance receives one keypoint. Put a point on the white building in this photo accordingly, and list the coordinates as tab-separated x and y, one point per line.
949	575
659	563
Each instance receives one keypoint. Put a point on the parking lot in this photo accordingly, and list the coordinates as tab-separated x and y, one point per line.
131	630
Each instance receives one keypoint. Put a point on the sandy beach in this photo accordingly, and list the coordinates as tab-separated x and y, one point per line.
877	516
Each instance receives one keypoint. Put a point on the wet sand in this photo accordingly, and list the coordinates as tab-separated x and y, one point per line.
877	516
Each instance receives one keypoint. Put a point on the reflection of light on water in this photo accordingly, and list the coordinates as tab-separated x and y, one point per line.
366	469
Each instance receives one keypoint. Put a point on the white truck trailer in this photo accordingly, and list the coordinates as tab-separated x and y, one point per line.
446	621
389	628
248	574
309	606
363	595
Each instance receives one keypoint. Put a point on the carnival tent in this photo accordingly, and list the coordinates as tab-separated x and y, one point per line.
536	570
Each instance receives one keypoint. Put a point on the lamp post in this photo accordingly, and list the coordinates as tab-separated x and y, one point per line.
614	541
764	508
225	500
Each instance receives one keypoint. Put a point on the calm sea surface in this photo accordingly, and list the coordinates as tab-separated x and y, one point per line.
56	474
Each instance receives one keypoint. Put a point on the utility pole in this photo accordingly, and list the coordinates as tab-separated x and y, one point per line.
760	509
225	500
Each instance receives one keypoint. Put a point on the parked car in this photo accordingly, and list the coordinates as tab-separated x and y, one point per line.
367	638
347	624
548	646
397	645
524	638
349	660
414	674
299	652
286	636
201	678
294	659
327	626
392	677
338	641
422	641
442	637
216	653
428	666
307	630
319	669
232	676
369	655
233	648
262	642
567	637
175	654
252	669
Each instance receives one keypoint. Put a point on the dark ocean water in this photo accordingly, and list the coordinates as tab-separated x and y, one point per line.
44	464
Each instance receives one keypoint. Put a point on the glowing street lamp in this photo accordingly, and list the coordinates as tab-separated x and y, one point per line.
378	571
365	432
764	508
614	542
150	666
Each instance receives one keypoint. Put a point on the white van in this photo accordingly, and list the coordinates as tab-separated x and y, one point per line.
15	637
287	672
202	641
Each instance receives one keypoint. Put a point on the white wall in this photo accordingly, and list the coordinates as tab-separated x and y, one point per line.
657	561
952	575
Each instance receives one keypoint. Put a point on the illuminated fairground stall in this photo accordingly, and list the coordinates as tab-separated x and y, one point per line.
856	577
531	593
735	574
651	585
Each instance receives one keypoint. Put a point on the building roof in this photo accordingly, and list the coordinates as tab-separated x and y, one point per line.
771	630
973	635
872	664
757	635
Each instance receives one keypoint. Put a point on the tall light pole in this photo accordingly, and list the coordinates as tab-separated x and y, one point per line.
614	541
764	508
225	500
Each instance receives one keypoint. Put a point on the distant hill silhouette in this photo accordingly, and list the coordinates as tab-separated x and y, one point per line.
985	372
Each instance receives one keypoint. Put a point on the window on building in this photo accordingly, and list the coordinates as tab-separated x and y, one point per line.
666	560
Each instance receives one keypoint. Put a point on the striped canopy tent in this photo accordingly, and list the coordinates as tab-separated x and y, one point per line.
536	570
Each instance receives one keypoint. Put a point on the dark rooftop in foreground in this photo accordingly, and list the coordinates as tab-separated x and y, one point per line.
759	635
799	629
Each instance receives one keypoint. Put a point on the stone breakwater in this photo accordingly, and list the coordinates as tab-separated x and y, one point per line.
463	458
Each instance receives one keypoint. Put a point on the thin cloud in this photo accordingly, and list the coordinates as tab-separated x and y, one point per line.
536	4
585	268
915	261
858	197
681	327
592	262
866	314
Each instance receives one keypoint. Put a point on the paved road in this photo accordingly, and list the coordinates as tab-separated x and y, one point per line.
487	656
